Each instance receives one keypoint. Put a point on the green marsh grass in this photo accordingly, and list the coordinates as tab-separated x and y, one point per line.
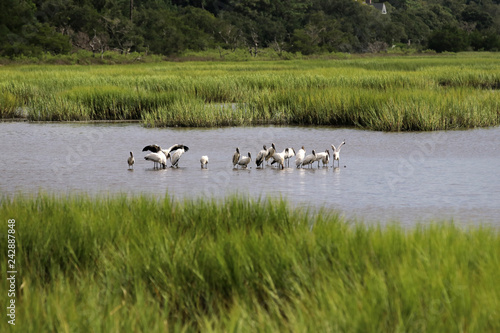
387	94
142	263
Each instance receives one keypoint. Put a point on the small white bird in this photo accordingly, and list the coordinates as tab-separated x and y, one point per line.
323	157
260	156
204	161
244	160
270	152
299	157
309	159
336	153
157	158
280	158
289	154
236	157
131	161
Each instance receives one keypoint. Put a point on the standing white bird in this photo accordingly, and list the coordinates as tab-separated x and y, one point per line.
260	156
336	153
323	157
280	158
289	154
309	159
270	152
244	160
157	158
131	161
299	157
236	157
204	161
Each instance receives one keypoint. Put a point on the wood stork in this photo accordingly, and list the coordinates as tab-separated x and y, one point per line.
236	157
270	152
326	159
299	157
260	156
244	160
131	161
323	157
174	153
289	154
159	157
309	159
336	153
280	158
204	161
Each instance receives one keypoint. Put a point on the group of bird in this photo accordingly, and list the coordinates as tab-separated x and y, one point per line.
283	158
160	156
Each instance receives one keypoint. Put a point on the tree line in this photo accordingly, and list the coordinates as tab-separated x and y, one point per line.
170	27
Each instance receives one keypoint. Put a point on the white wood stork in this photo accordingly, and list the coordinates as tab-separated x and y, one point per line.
244	160
299	157
336	153
260	156
175	154
323	157
309	159
204	161
270	152
157	158
280	158
289	154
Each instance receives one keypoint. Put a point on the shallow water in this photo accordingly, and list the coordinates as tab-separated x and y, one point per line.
407	177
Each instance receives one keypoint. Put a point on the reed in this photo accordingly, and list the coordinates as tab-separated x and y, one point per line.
146	263
388	94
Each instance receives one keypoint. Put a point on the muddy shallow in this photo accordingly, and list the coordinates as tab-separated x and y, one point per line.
408	177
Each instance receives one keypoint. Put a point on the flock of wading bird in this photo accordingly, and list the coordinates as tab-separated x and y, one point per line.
160	156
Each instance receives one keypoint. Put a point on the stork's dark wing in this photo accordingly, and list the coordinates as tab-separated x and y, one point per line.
152	148
178	146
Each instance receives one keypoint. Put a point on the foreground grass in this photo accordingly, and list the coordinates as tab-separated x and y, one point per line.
118	264
388	94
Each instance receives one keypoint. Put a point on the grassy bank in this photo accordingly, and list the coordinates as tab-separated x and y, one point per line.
389	93
117	264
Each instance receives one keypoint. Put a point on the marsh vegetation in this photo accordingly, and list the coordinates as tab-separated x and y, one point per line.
237	264
388	94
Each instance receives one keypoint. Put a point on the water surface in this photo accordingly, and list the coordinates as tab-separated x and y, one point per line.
408	177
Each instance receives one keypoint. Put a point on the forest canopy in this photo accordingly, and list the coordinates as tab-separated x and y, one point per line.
170	27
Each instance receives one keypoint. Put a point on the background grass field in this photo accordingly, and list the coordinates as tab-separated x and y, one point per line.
128	264
381	93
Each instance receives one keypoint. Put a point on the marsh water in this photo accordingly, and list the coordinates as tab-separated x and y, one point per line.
383	177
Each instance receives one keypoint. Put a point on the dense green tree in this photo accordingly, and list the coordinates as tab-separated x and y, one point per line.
32	27
448	39
474	15
485	41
